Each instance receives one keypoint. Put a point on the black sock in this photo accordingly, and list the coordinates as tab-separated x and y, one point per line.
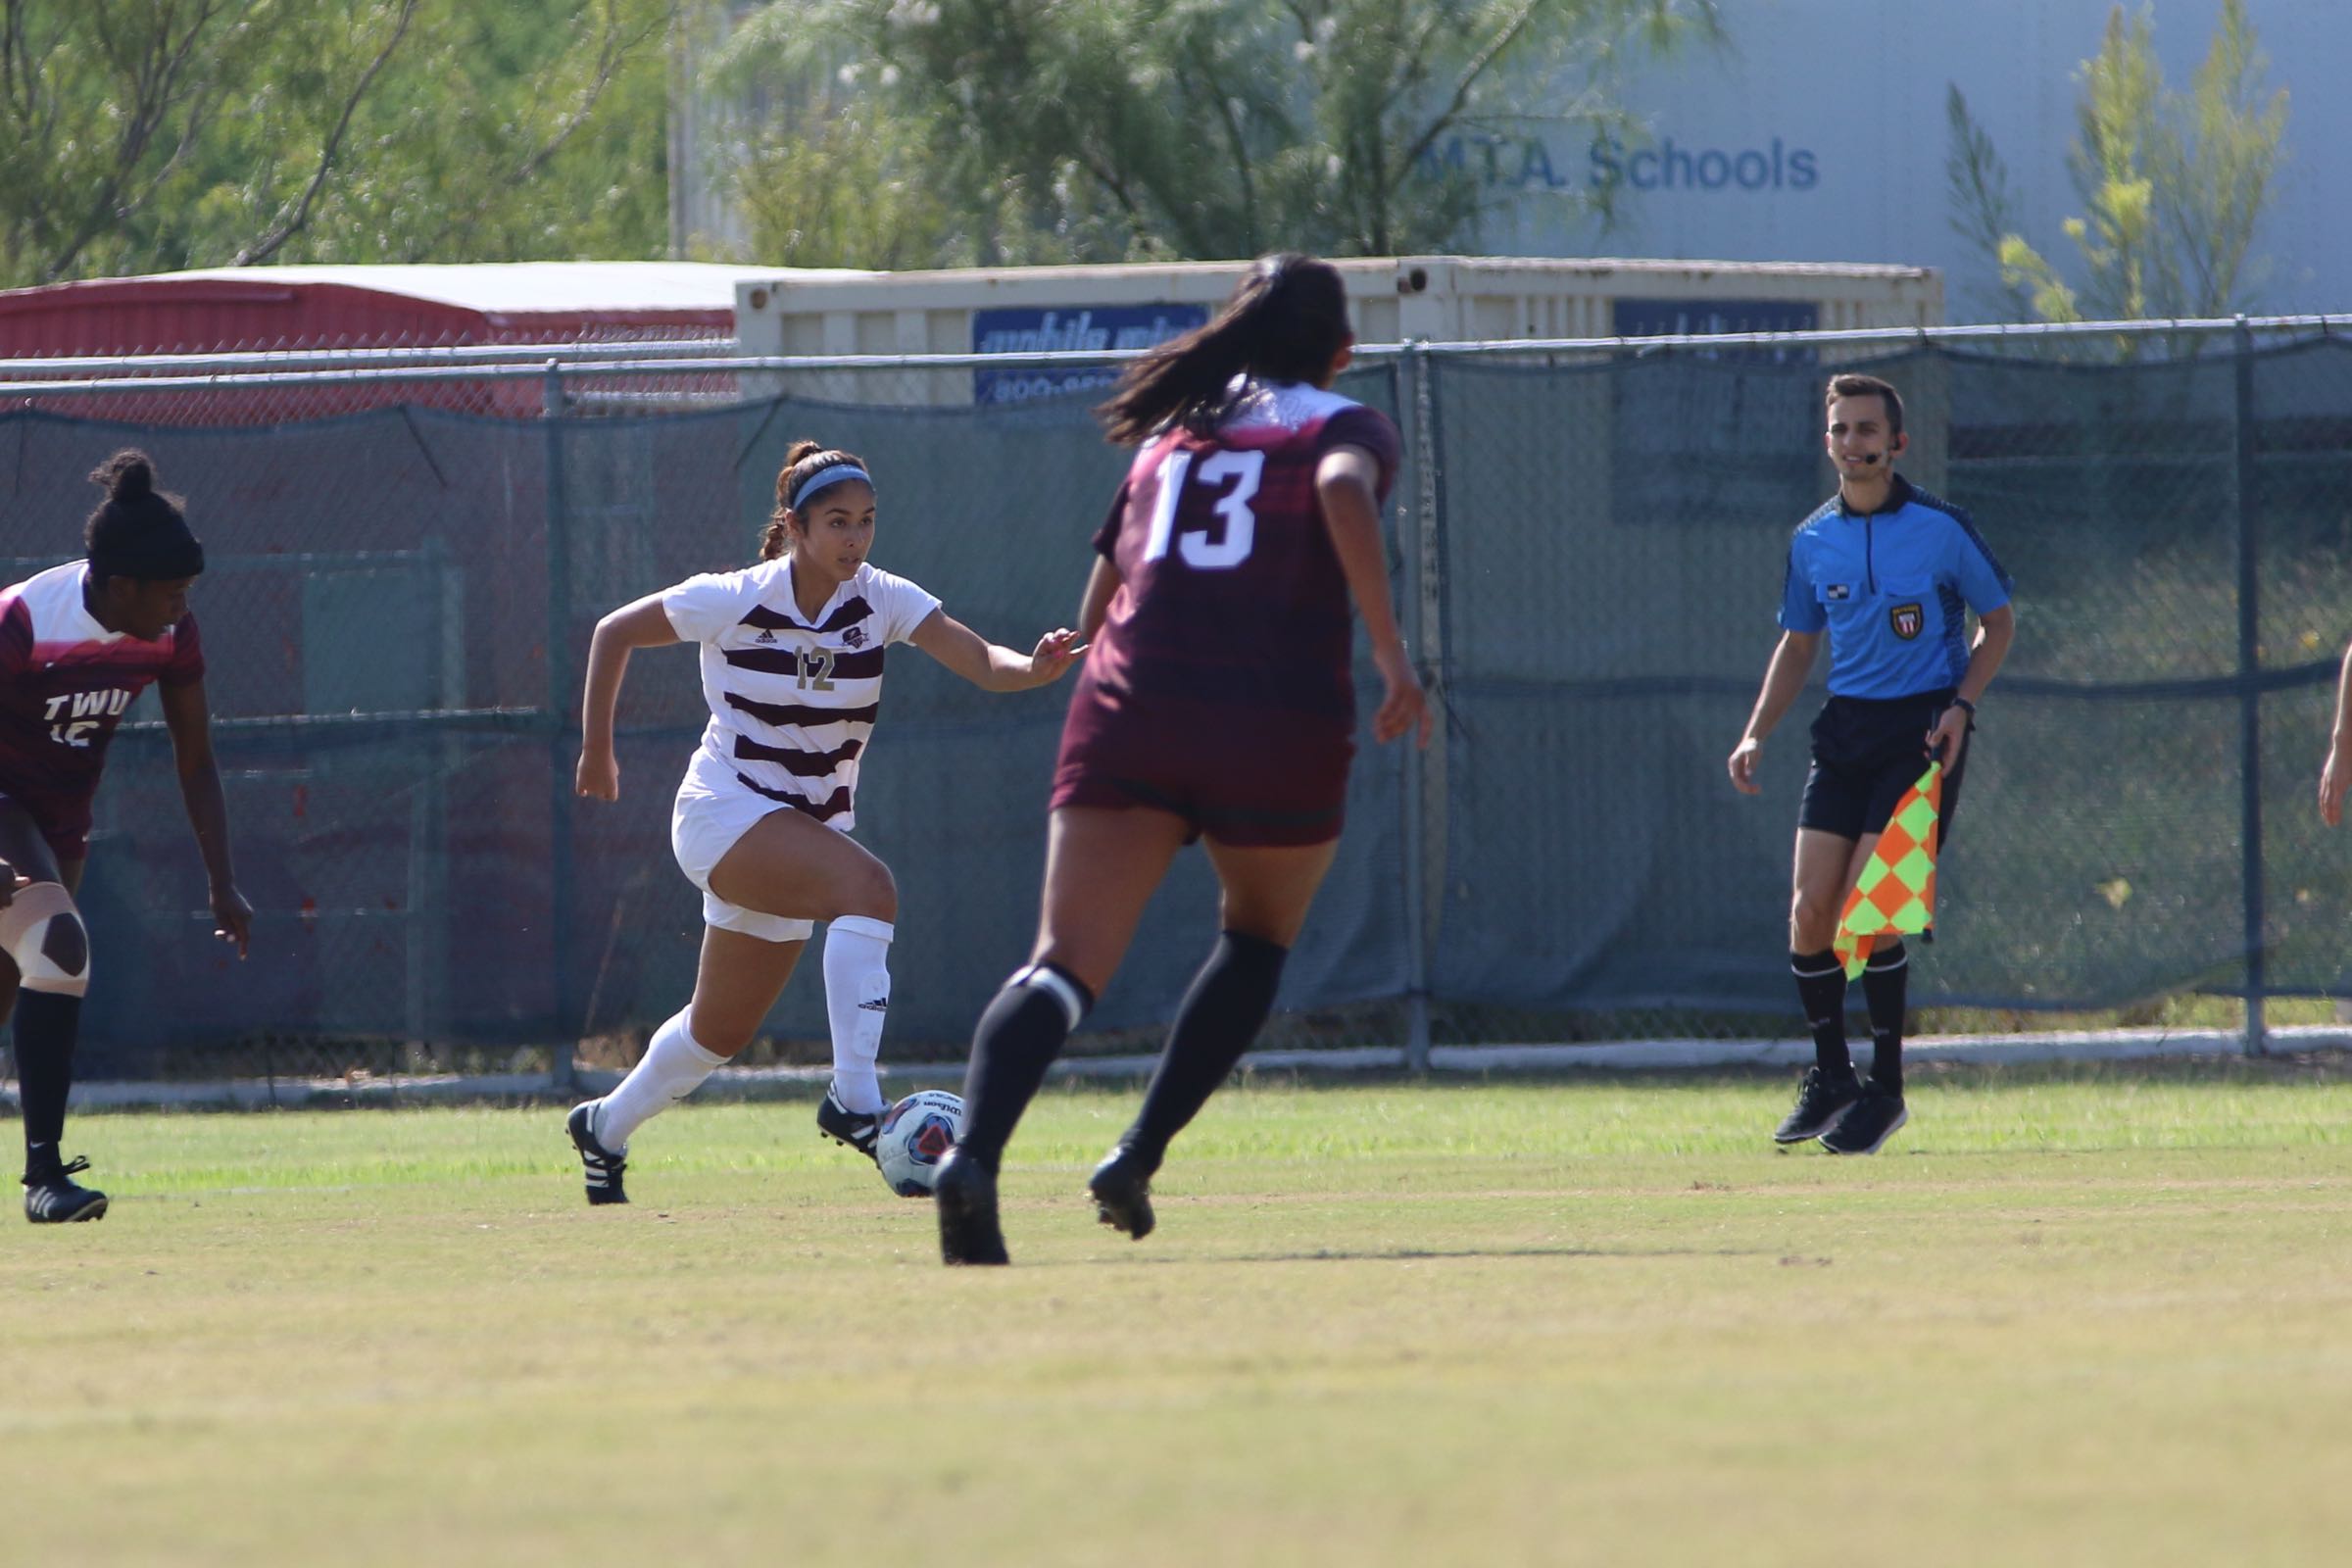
1019	1037
1219	1019
45	1027
1883	984
1821	989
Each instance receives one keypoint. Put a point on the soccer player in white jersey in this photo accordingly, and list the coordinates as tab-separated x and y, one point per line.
792	654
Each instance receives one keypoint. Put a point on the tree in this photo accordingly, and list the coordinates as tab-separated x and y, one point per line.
138	135
1111	130
2172	186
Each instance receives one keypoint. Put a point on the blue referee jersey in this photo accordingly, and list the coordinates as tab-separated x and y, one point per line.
1890	587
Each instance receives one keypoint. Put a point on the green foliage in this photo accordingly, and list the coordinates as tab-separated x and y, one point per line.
140	136
2172	185
1029	131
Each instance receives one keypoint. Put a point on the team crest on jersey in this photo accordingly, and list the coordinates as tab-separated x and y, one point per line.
1906	619
854	637
1838	592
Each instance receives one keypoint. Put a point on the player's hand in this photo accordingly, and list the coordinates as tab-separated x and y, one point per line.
1055	651
232	918
2333	778
1949	736
1404	705
1742	764
598	776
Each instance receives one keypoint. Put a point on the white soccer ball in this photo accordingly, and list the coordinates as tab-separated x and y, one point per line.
916	1134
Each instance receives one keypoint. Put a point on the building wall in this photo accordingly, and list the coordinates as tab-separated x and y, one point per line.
1819	134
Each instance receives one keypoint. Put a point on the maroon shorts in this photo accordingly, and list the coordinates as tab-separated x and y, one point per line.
1243	776
62	816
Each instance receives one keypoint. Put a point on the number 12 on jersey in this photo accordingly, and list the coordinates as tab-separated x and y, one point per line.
1197	546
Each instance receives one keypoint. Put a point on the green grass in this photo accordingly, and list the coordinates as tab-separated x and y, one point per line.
2071	1315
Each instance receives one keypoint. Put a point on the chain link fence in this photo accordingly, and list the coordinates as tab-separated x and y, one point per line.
408	548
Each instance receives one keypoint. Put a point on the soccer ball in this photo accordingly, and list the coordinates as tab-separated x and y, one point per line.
916	1134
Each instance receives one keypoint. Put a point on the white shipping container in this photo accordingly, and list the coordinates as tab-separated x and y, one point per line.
1427	298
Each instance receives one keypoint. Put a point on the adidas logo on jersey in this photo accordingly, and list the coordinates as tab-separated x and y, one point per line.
877	1004
765	637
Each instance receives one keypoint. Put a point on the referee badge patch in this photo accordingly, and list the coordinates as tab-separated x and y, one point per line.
1906	619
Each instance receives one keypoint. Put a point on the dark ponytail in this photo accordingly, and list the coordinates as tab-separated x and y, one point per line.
802	461
139	531
1284	322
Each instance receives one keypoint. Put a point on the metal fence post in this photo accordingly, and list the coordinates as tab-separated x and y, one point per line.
563	1071
1424	771
2249	699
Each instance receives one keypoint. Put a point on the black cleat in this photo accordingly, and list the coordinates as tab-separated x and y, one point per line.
604	1167
53	1198
1865	1129
1821	1101
966	1195
1122	1189
861	1129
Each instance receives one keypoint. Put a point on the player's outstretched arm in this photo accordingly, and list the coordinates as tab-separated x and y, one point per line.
189	720
1784	679
2337	774
1346	486
989	665
642	624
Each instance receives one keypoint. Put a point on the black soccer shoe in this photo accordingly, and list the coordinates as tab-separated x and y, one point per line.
604	1167
1122	1189
53	1198
967	1198
1822	1102
861	1129
1865	1128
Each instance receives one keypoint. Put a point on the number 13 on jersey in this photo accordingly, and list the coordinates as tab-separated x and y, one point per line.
1197	546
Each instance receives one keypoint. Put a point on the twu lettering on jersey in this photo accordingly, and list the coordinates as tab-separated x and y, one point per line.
73	716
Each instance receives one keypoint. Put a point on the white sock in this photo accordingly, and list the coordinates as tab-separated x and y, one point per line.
856	1001
672	1067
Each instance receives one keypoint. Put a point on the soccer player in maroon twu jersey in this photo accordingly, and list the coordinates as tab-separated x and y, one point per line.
792	654
78	643
1216	703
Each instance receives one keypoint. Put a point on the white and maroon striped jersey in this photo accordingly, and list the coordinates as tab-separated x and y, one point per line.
64	682
793	700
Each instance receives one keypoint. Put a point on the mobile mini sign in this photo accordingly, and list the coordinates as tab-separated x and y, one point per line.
1093	329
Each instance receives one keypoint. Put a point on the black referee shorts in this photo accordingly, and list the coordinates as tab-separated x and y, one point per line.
1866	753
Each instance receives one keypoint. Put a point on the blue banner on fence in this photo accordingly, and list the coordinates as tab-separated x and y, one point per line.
1094	328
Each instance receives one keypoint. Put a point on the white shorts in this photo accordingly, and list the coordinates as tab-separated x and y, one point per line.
712	813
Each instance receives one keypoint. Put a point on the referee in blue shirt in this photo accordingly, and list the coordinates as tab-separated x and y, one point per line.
1889	573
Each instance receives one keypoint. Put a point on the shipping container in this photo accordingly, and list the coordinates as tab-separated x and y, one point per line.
1427	298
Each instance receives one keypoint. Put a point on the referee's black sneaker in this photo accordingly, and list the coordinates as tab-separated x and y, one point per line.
1865	1129
1122	1189
1823	1100
604	1167
53	1198
861	1129
966	1198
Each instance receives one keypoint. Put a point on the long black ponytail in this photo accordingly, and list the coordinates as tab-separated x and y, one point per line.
1284	322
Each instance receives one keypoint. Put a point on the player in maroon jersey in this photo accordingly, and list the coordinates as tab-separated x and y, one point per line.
1216	702
78	643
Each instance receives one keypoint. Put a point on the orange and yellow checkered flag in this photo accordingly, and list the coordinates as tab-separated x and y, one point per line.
1897	890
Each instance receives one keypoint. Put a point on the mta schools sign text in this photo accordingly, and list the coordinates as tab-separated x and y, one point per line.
1522	162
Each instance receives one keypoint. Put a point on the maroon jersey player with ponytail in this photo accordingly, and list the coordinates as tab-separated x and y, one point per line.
1216	702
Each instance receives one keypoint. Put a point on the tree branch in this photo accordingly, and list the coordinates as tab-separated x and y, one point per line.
610	54
292	222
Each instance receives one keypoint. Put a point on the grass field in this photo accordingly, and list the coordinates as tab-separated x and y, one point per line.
2071	1315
